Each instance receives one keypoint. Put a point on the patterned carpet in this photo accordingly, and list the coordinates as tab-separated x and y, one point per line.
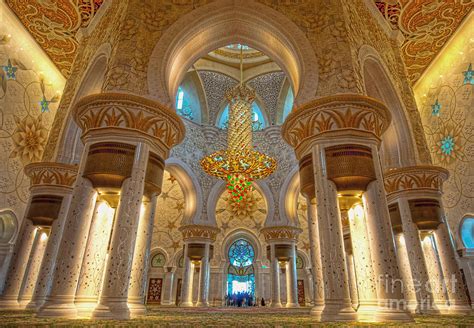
219	317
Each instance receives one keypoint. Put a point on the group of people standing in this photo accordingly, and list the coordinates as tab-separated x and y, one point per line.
242	299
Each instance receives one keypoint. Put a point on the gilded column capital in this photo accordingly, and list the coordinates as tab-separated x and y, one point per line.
197	232
125	115
414	179
51	174
281	233
340	115
49	182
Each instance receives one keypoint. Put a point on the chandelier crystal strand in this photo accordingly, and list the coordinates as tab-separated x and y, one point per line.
239	164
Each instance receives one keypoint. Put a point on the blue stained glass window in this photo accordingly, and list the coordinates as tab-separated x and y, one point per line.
182	105
288	105
467	232
241	253
241	275
258	120
238	46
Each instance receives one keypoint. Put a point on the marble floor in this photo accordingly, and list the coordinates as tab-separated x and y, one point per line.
219	317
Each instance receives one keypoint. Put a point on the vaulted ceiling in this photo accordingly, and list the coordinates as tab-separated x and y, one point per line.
425	24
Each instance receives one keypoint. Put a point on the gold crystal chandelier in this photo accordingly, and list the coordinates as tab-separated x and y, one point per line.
239	164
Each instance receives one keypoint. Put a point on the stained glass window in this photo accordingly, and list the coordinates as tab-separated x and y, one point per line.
241	253
183	107
299	262
158	261
288	105
238	46
467	232
181	262
258	120
241	275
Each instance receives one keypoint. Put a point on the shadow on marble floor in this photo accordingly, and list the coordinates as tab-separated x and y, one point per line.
219	317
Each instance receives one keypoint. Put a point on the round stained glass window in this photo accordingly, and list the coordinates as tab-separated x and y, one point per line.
241	253
158	261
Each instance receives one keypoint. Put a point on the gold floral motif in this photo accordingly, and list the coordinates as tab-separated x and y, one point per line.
29	139
339	112
129	112
196	231
415	178
51	174
281	232
245	208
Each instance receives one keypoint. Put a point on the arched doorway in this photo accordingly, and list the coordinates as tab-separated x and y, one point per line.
241	273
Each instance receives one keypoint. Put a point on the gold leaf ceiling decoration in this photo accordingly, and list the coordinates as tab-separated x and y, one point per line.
426	25
54	25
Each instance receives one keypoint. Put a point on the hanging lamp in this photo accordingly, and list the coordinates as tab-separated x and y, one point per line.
239	164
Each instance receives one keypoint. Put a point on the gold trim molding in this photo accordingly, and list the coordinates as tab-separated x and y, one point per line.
199	232
344	114
415	178
279	233
51	174
129	112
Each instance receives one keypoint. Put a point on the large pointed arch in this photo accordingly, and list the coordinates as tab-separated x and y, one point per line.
216	25
398	145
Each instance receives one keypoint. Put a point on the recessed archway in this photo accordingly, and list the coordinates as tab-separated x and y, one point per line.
398	146
216	25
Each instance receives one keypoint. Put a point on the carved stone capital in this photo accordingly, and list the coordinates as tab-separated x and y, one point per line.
199	232
414	179
335	116
281	233
50	174
125	115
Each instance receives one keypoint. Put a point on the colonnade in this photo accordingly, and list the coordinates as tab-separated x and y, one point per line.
365	275
374	236
198	250
282	254
101	226
433	282
29	276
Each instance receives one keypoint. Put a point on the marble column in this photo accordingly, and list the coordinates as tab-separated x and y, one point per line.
93	263
458	301
204	278
114	295
361	250
416	259
291	280
44	281
315	253
34	265
188	277
141	259
309	276
275	272
168	284
60	301
352	281
337	300
391	301
18	266
409	288
437	282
